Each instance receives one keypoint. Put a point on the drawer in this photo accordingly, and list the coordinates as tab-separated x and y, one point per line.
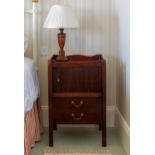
69	104
77	110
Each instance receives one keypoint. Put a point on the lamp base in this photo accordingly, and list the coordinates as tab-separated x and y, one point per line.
61	58
61	42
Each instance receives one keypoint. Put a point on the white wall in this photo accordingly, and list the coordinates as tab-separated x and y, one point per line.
103	30
91	38
120	42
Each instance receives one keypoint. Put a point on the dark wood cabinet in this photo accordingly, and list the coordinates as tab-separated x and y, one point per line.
77	92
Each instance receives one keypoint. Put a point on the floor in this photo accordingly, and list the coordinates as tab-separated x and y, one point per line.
77	138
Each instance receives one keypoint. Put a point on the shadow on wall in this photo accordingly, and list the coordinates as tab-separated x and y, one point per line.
111	80
122	113
122	69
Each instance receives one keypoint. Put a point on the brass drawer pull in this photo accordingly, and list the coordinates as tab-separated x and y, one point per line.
76	117
77	105
81	102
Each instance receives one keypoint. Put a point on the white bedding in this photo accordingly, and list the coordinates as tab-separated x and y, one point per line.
31	84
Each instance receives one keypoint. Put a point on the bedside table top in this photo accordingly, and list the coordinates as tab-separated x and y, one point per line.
80	58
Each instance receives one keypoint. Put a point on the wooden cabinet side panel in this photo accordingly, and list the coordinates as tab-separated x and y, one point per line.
50	108
104	103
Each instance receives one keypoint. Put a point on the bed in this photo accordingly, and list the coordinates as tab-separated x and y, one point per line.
32	113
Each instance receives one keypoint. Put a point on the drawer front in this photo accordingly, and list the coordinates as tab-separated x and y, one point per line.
77	111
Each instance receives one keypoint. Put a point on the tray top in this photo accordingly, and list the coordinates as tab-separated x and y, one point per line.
81	57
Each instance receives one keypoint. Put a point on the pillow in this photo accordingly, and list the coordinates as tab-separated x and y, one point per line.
26	44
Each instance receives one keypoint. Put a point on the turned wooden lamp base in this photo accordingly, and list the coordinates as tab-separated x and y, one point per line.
61	42
61	57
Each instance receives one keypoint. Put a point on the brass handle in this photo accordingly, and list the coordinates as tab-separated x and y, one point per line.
81	102
58	80
77	105
76	117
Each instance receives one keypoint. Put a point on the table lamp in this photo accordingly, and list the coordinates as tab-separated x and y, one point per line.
61	17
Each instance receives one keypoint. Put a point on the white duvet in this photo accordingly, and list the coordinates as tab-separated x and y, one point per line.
31	84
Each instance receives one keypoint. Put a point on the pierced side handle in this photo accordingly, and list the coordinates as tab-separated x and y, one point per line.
77	117
77	105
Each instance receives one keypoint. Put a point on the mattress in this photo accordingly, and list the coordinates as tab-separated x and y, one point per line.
31	84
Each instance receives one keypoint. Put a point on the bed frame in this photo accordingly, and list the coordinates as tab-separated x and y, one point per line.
34	13
33	135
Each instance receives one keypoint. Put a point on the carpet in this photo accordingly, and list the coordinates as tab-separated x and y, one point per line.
104	151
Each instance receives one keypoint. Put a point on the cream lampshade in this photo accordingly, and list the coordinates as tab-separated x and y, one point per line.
61	16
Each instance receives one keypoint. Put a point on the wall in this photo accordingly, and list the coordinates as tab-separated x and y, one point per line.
120	42
122	8
104	29
93	37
